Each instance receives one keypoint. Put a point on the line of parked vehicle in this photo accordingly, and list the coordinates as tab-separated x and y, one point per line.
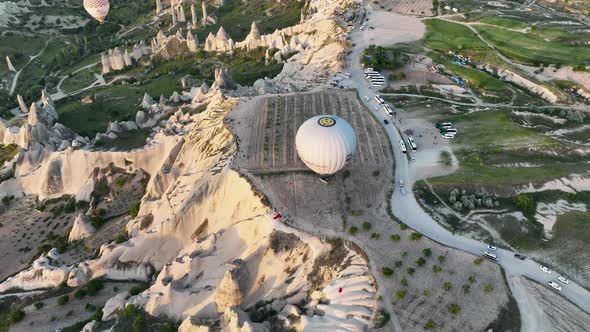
489	254
377	80
446	129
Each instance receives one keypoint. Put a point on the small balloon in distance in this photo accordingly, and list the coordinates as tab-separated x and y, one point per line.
98	9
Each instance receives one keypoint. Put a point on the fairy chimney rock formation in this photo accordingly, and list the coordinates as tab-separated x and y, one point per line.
191	42
9	63
21	104
223	80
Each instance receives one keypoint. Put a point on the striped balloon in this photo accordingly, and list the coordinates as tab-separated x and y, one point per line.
97	8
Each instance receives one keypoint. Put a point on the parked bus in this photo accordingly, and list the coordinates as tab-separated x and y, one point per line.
402	145
443	125
387	110
448	131
379	100
412	143
491	256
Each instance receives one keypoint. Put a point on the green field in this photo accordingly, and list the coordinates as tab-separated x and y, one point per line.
236	17
112	103
448	36
491	138
530	49
475	78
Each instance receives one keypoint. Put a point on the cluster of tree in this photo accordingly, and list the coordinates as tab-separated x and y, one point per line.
461	200
380	58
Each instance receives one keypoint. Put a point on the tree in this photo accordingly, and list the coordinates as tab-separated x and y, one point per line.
398	263
436	269
134	209
353	230
400	294
420	261
442	258
15	316
471	279
395	238
120	238
386	271
366	226
404	282
139	323
467	288
375	236
411	270
39	305
454	308
429	325
415	236
427	252
62	300
447	285
526	204
488	288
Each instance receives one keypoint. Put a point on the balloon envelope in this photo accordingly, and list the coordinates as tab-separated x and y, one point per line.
97	8
325	143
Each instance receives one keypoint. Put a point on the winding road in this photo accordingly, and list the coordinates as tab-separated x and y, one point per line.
406	208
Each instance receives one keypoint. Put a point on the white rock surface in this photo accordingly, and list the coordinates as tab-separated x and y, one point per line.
81	229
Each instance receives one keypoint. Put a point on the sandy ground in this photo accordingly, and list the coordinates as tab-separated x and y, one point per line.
329	210
24	229
561	315
407	7
405	29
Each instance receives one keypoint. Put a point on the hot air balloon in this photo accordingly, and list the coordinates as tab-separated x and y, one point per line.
325	143
97	8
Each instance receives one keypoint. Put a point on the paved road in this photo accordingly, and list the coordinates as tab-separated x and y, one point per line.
406	208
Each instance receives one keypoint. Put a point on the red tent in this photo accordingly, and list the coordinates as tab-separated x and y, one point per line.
277	216
340	290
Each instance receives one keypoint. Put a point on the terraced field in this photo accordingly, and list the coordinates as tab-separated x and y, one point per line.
278	118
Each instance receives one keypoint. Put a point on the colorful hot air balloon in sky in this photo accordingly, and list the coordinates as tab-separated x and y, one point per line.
97	8
325	143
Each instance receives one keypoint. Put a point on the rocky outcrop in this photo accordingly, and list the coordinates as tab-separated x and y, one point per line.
223	80
9	64
509	76
229	293
147	101
127	59
220	42
111	265
113	305
21	104
81	229
191	42
42	274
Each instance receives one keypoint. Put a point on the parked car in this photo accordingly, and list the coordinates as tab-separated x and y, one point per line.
385	121
401	183
555	285
491	247
545	269
563	280
520	256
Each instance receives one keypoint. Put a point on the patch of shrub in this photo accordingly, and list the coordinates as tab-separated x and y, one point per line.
375	236
454	308
411	270
429	325
395	238
426	252
478	261
39	305
420	261
447	285
388	272
400	294
415	236
62	300
436	269
366	226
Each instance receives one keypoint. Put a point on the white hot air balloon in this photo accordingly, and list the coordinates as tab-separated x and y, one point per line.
97	9
325	143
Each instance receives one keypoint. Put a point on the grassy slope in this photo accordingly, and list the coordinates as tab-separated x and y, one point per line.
531	49
491	137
